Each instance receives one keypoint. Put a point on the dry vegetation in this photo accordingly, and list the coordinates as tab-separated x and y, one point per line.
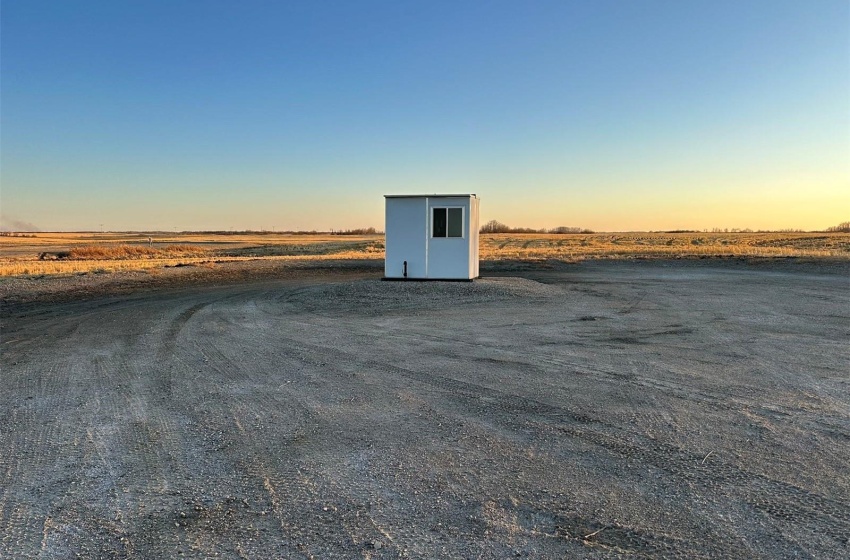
131	252
74	253
663	245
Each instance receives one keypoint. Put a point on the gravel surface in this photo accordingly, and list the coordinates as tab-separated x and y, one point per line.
599	410
20	291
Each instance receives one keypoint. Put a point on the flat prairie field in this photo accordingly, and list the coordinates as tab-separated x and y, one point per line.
39	254
73	253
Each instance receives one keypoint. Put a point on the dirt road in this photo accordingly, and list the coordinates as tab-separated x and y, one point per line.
683	410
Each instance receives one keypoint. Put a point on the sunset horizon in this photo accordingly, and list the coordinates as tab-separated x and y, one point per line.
606	116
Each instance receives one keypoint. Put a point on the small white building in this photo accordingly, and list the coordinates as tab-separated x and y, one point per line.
431	237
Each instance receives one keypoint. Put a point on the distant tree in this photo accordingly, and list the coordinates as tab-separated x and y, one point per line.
495	226
843	227
357	231
525	230
569	229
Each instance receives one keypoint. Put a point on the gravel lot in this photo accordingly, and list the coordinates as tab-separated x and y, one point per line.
695	409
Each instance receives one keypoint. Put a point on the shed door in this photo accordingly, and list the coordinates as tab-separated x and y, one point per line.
448	247
406	235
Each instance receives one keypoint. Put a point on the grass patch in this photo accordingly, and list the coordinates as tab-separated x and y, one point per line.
129	252
663	246
105	253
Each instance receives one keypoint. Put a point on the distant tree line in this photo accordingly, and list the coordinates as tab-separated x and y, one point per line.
357	231
748	230
843	227
495	226
569	229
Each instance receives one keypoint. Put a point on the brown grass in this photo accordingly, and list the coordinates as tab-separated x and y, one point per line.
112	252
104	253
663	245
129	252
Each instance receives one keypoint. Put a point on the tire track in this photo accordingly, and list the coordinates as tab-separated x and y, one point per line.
784	502
241	423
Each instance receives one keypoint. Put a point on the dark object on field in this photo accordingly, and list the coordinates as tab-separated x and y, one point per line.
61	255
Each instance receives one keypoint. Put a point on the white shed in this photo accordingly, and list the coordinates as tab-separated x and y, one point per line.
431	237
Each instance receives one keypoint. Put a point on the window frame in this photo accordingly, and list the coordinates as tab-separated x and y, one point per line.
462	222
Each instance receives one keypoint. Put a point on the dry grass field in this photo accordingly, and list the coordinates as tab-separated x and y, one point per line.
663	245
72	253
75	253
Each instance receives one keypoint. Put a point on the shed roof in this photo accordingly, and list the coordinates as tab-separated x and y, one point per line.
470	195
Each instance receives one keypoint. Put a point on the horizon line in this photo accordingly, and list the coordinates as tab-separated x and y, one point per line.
375	231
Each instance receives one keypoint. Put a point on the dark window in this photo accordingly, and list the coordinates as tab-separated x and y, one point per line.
455	222
448	222
440	222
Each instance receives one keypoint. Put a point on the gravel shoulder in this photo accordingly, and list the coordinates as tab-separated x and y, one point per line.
676	409
50	289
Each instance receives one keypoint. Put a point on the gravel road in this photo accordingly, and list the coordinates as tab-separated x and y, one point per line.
647	409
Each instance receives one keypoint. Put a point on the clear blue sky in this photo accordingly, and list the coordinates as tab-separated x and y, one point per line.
608	115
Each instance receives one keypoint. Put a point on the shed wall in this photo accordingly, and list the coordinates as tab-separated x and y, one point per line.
448	257
474	226
408	227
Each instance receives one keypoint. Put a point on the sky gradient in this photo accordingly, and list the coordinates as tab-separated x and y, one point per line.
650	115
